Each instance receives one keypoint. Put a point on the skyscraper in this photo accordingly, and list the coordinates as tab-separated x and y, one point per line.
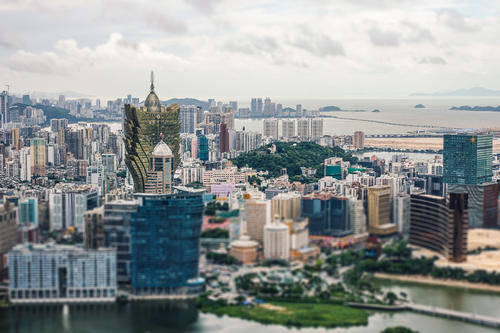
4	106
8	232
316	128
37	155
288	128
165	244
223	138
303	128
467	158
203	151
187	118
328	215
142	129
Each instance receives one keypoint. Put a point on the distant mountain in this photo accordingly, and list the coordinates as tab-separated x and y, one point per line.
476	108
419	106
330	108
188	101
475	91
52	112
68	94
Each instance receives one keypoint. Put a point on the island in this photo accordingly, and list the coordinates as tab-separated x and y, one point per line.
419	106
476	108
376	110
329	108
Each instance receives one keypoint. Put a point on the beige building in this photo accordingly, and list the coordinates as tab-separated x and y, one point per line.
288	128
359	140
258	214
37	155
93	232
8	232
244	250
379	211
286	205
270	128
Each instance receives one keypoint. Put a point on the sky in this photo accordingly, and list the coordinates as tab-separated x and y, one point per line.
237	49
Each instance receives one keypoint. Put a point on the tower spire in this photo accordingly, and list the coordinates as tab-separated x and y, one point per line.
152	81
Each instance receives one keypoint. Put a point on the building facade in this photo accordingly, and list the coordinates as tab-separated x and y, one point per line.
51	273
165	244
440	225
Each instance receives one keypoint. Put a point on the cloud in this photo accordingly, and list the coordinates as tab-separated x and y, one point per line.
253	45
164	22
319	45
417	34
204	6
383	38
456	21
67	57
432	61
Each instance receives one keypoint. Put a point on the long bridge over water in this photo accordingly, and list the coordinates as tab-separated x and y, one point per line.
435	311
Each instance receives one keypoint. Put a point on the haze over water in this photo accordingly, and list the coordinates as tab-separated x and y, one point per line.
401	111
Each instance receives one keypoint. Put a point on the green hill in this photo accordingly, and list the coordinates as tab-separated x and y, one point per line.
291	156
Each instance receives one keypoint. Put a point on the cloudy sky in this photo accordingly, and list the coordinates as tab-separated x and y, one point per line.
239	48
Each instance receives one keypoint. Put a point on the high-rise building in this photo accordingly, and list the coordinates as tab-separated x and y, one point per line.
4	107
357	216
316	128
93	232
286	205
256	107
270	128
38	155
51	273
482	206
57	124
288	128
187	118
25	161
28	212
8	232
233	105
467	158
142	130
303	128
223	138
258	214
161	174
401	213
203	149
440	225
68	204
379	211
14	138
109	162
328	215
117	215
359	140
165	244
299	110
276	240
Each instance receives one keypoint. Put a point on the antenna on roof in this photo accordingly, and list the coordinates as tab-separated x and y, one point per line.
152	81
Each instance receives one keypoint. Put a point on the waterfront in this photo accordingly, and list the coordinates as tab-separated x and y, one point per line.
399	111
184	317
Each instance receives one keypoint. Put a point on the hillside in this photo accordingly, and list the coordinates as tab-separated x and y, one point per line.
52	112
291	156
188	101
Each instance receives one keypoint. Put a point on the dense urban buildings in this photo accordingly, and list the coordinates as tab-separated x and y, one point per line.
8	231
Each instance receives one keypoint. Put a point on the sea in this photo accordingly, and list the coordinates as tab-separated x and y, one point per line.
394	112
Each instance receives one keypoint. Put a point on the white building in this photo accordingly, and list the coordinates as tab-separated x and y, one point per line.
303	129
270	128
288	128
276	241
316	128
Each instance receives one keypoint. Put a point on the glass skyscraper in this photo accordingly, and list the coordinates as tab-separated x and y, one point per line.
328	215
165	244
467	158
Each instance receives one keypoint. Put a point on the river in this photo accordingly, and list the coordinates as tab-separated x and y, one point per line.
183	316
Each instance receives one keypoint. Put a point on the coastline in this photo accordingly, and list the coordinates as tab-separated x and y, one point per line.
420	279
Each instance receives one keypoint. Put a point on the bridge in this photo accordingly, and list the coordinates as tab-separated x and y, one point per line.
433	311
458	315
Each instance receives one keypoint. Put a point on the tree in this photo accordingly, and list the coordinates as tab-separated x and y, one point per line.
398	329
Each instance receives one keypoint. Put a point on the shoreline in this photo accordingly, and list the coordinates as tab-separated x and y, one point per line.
421	279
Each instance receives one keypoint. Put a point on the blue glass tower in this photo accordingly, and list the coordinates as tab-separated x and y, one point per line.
165	244
467	158
328	215
203	148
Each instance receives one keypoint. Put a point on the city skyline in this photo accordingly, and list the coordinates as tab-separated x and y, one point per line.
221	48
